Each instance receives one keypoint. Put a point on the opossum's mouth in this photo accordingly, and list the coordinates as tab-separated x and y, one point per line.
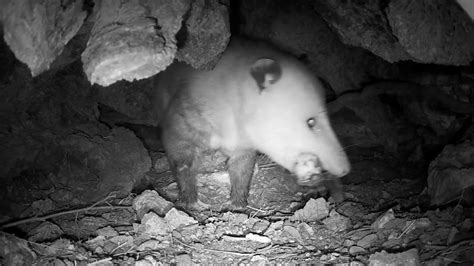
308	170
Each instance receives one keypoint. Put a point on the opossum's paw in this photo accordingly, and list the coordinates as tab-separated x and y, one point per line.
196	206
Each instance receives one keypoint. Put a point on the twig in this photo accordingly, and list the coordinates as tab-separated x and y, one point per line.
46	217
216	250
408	227
99	262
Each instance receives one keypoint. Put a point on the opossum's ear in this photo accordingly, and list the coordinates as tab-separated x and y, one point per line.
265	71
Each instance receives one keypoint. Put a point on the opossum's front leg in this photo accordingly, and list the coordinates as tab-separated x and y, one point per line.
240	167
181	157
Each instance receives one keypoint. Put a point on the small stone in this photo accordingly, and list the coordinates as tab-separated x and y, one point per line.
258	238
107	231
422	223
314	210
409	257
147	261
348	243
183	259
259	259
177	218
384	219
277	226
336	222
466	225
154	225
152	245
44	231
293	232
452	235
354	250
367	241
149	200
305	230
260	226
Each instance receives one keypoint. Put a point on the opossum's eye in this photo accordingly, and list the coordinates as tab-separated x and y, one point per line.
311	122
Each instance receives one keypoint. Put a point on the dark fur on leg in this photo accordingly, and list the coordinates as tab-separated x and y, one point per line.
240	167
181	155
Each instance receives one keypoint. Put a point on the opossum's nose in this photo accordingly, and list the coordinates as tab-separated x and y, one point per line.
344	167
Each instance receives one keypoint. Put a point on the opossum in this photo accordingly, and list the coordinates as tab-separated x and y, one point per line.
256	99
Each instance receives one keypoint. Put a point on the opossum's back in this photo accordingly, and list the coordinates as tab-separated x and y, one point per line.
167	84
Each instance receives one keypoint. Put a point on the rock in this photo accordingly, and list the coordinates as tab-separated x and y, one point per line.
43	206
152	245
129	104
132	40
355	250
395	34
466	225
183	259
362	24
452	237
305	230
200	48
44	231
121	243
348	243
150	200
421	223
84	227
147	261
258	238
15	251
383	219
107	231
293	233
336	222
432	32
314	210
116	162
273	228
451	174
176	218
260	226
153	225
37	32
367	241
409	257
259	260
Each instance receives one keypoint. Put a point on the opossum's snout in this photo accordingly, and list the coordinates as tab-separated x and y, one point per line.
309	170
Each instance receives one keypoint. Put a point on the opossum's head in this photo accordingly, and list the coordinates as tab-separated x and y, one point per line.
290	122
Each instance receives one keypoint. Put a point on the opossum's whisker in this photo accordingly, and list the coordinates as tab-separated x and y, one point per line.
351	145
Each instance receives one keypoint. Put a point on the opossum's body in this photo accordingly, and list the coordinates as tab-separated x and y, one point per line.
256	99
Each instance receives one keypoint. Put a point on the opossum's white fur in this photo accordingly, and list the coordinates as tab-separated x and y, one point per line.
233	115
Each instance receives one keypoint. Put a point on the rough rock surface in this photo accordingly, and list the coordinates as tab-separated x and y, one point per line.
204	35
451	174
37	31
298	29
363	24
104	164
131	101
126	42
438	31
409	257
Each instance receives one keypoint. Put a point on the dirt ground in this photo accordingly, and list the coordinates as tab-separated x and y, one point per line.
379	220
